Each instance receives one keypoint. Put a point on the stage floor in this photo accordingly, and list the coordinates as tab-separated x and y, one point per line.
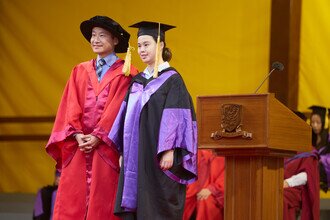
19	206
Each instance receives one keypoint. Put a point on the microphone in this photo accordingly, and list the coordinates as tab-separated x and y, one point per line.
275	66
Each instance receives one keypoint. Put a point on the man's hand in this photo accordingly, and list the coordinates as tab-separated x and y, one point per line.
166	161
79	138
87	143
203	194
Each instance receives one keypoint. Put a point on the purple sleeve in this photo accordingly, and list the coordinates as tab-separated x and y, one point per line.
178	130
116	132
38	208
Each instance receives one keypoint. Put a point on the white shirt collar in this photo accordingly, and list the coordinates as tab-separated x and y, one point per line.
161	67
109	60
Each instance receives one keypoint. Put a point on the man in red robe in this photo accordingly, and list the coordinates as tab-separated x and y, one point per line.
301	187
205	197
79	140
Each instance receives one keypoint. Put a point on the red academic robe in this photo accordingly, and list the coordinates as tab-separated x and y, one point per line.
211	173
88	181
304	198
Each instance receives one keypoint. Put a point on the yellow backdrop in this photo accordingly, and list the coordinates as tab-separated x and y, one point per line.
219	47
314	77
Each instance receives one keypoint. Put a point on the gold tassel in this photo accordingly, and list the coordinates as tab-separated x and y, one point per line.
157	53
127	65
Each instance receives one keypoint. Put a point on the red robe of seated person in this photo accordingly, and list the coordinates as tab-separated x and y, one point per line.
211	173
304	199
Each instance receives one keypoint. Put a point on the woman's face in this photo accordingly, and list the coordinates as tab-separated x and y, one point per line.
147	49
316	123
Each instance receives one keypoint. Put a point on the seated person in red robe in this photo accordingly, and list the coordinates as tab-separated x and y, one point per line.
301	187
205	197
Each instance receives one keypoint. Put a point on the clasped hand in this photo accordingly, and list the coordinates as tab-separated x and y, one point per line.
87	143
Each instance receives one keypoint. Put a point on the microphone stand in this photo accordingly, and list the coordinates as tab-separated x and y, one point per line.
265	79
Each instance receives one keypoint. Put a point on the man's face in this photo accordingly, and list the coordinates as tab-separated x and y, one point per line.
103	42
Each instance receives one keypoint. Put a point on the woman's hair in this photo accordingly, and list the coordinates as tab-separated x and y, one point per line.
167	54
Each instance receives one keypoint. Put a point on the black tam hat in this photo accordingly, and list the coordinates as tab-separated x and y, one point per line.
110	25
151	28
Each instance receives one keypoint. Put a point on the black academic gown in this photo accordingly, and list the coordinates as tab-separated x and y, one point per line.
158	195
43	206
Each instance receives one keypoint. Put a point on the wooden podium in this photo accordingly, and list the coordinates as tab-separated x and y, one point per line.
269	132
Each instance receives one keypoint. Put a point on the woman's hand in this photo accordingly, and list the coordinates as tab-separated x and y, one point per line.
166	161
87	143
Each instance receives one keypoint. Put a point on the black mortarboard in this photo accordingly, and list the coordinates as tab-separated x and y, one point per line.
300	115
151	28
321	111
112	26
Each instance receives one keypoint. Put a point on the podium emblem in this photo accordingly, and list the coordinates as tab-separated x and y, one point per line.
231	123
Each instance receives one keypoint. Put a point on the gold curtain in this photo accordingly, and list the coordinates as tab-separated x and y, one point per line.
314	75
219	47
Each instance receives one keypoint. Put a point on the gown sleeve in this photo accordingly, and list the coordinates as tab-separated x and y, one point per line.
67	122
178	131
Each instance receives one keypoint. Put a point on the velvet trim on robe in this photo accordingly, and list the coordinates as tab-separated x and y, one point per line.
325	162
148	106
324	153
323	149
